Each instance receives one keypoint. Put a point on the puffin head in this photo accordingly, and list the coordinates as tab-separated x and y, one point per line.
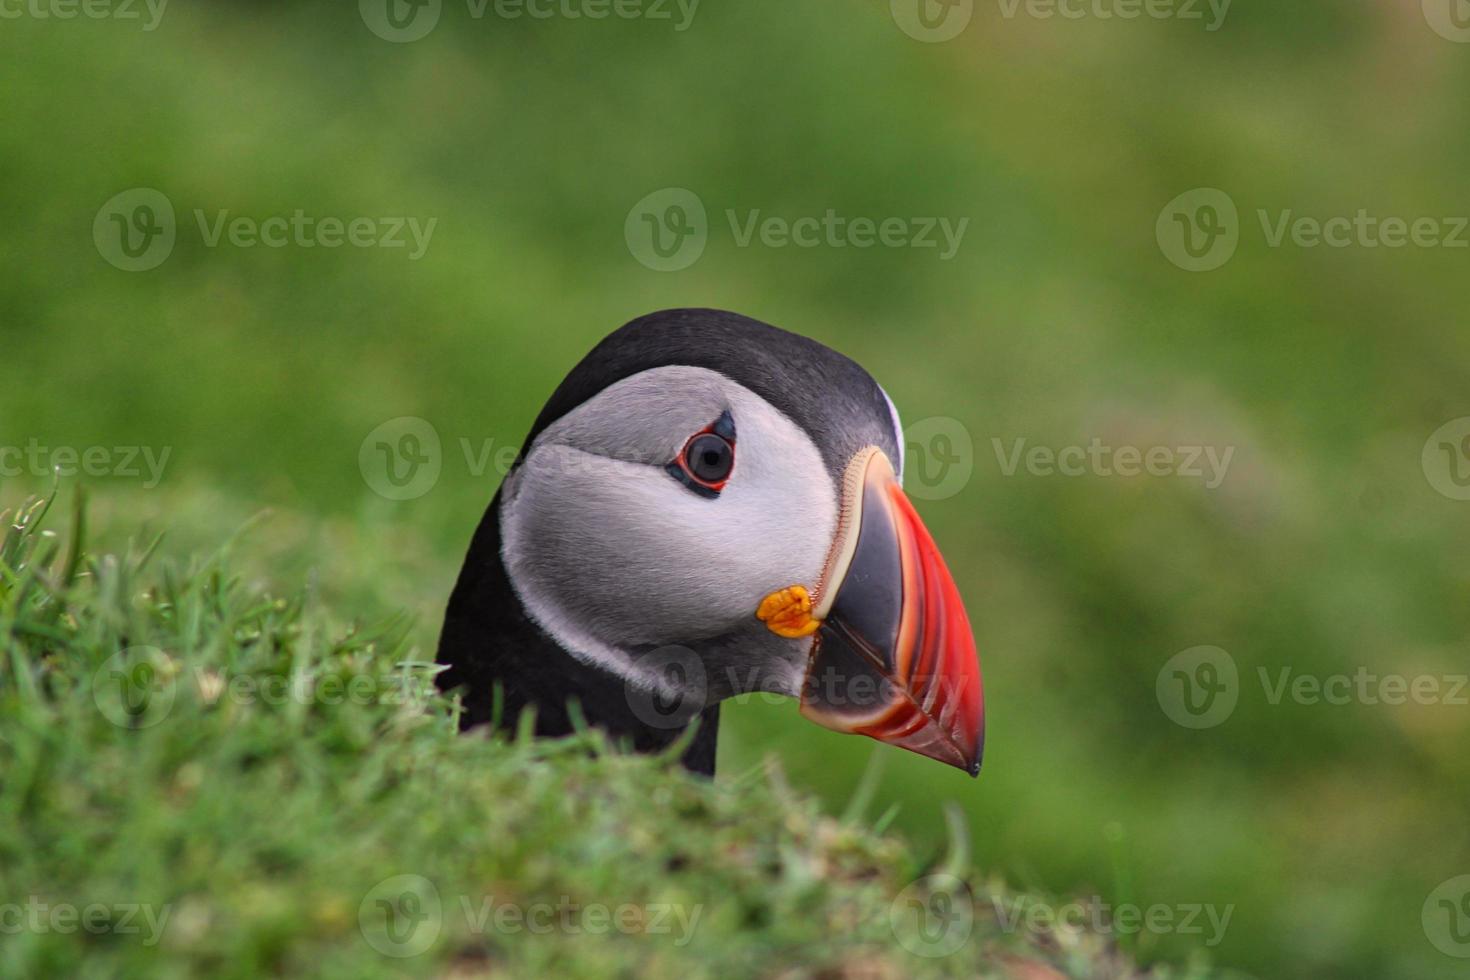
709	506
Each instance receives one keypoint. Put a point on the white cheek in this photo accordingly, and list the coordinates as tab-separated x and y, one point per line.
609	555
636	558
778	514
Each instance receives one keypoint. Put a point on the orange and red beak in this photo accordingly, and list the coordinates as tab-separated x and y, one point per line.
893	657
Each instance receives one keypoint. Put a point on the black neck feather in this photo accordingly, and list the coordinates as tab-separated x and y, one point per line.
488	639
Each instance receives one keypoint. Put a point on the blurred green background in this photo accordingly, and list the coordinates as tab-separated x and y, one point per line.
1061	319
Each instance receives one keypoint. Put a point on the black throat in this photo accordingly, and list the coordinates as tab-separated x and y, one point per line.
488	640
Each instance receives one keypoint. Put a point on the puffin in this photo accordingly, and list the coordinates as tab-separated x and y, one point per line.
709	506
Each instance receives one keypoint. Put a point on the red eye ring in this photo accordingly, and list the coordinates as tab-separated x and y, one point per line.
705	463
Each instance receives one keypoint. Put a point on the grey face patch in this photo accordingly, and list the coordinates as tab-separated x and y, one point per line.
612	556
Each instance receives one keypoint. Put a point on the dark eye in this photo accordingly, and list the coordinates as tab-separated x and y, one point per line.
705	463
709	458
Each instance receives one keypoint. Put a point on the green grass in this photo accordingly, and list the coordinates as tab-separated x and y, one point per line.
229	781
